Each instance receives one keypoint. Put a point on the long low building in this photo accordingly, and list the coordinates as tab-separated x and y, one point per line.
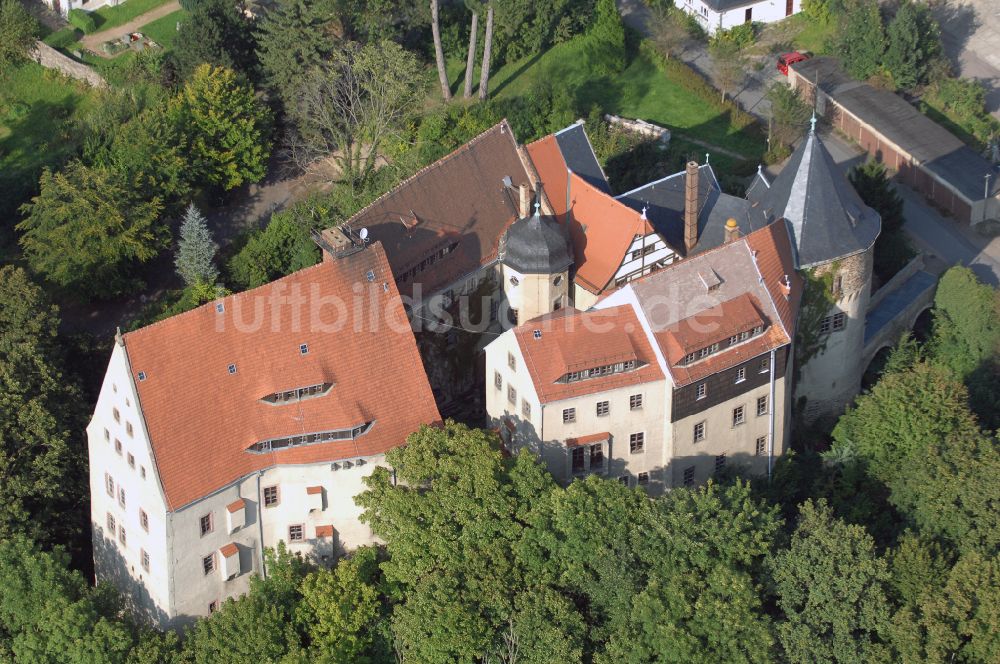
926	156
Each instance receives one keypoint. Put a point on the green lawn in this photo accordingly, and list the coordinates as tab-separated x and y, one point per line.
812	36
164	30
111	17
643	90
35	107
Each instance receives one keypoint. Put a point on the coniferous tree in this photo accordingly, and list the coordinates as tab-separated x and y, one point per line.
196	250
862	38
914	41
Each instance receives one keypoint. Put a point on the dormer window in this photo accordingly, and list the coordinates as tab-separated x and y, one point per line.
232	369
602	370
274	444
297	394
514	281
303	349
142	376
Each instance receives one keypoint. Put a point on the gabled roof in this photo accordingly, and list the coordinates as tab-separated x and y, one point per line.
202	416
602	229
572	340
828	219
750	272
460	202
664	203
579	157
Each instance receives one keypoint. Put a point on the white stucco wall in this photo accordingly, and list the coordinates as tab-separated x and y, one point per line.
766	11
659	255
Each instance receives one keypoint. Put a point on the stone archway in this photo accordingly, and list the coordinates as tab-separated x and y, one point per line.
921	325
875	367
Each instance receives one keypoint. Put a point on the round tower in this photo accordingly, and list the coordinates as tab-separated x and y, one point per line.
535	257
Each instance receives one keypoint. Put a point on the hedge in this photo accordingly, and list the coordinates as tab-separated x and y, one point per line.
82	20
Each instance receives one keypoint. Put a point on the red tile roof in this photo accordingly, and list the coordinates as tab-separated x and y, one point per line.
313	490
458	200
229	550
324	531
572	340
753	266
602	228
201	418
588	439
236	506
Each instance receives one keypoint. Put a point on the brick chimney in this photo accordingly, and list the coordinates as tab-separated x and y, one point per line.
525	192
732	230
691	207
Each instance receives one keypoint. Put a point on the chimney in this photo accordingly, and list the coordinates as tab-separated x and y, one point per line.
732	230
525	200
691	207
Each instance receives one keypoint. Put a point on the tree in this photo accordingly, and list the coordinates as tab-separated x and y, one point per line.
18	32
439	53
607	38
87	227
914	41
861	44
730	63
282	247
40	471
196	250
484	73
350	107
340	607
49	614
789	114
871	181
966	321
223	129
669	31
218	33
292	38
831	587
470	58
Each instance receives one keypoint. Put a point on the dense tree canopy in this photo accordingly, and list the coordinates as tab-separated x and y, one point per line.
87	227
216	32
861	40
18	32
914	41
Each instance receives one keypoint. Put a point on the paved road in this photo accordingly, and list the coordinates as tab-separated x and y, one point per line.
970	32
940	238
93	41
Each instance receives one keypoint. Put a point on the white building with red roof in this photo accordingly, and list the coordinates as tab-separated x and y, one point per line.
665	381
249	421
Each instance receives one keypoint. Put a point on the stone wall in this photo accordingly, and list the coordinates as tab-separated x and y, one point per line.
50	58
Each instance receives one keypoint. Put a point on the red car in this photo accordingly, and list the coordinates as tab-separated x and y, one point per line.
786	59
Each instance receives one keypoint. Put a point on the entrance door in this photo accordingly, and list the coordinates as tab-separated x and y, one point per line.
747	19
788	7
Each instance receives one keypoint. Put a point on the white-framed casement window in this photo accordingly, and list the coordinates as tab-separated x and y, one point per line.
144	558
569	415
637	442
511	361
765	364
121	496
497	380
109	484
699	431
761	446
603	408
144	519
739	415
762	405
208	564
296	532
121	535
525	409
511	394
741	374
112	526
635	402
701	391
271	496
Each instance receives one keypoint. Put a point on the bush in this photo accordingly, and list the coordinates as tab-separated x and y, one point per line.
66	37
82	20
742	35
282	247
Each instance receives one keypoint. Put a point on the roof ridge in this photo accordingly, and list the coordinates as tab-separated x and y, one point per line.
763	281
230	297
454	153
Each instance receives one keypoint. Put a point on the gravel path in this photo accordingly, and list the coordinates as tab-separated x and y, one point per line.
93	41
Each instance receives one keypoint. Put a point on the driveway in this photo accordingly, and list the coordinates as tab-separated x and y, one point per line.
970	32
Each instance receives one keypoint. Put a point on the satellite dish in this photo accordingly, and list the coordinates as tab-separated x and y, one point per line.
363	234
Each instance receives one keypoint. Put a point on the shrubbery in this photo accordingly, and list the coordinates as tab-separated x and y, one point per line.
82	20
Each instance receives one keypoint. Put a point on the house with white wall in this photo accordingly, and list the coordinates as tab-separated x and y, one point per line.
246	422
715	15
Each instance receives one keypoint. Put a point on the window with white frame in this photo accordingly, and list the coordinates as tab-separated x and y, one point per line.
511	361
111	524
597	456
603	408
761	447
765	364
296	532
699	431
635	402
511	394
270	496
739	415
762	405
205	524
208	564
701	391
121	496
121	535
525	409
637	442
109	484
497	380
741	374
144	557
569	415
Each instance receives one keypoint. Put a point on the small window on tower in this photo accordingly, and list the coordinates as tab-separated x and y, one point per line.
232	368
303	349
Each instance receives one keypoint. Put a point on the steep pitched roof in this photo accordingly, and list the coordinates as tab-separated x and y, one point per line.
572	340
536	245
664	203
704	298
202	417
579	156
459	205
828	219
602	230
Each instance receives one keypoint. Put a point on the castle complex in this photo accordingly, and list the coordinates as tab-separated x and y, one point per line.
655	338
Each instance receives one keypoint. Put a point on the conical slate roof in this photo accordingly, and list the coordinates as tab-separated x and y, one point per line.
826	217
536	245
